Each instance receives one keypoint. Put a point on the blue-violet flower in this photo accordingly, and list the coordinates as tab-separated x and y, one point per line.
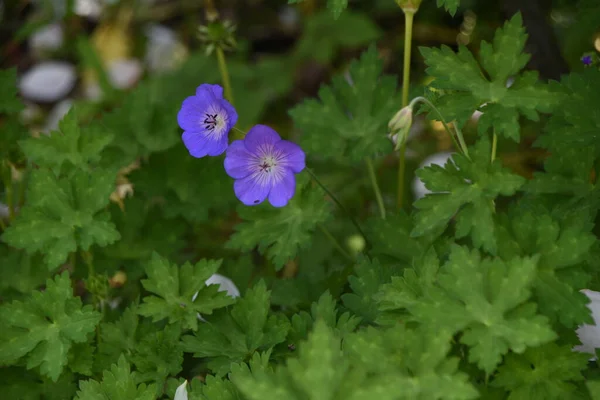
264	166
587	60
206	120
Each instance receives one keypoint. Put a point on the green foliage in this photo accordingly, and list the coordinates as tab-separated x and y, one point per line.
475	292
117	384
232	336
466	188
450	5
44	327
467	85
545	372
280	233
325	35
71	144
349	121
180	292
485	299
64	215
9	103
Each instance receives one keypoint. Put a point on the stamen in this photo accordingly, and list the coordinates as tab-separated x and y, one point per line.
210	121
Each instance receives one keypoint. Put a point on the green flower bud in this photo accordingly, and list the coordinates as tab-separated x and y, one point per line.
400	125
409	5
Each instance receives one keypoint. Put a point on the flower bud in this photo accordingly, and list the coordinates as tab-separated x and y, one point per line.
400	125
409	5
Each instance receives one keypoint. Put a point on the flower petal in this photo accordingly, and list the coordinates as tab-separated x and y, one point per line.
250	190
200	145
214	90
191	115
292	154
238	161
283	190
232	116
259	136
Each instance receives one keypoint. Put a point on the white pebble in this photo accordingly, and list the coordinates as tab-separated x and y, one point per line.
56	114
48	38
590	334
48	81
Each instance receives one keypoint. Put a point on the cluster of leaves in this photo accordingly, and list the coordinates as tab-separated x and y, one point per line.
474	294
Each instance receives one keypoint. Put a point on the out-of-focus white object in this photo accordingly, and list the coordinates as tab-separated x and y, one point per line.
590	334
418	186
3	210
122	74
181	392
56	114
163	50
91	9
48	38
48	81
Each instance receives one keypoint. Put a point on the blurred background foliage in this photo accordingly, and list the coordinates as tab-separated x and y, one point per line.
128	64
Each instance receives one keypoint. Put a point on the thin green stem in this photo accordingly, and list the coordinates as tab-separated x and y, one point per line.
460	145
373	178
9	199
337	202
335	243
224	74
87	258
2	224
408	23
494	145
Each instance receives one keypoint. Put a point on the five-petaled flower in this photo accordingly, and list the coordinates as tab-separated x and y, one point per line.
206	120
264	165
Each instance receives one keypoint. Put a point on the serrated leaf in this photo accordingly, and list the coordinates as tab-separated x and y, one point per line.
43	328
369	276
349	121
465	188
486	300
71	144
280	233
232	336
545	372
465	88
117	384
563	247
175	288
325	309
450	5
63	215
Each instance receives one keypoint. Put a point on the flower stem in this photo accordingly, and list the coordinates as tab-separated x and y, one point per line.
494	145
408	23
224	74
337	202
378	196
335	243
460	145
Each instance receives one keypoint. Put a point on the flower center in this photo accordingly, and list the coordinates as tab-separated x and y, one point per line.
266	164
212	121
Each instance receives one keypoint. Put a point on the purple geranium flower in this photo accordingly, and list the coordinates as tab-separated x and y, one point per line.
206	119
264	166
586	60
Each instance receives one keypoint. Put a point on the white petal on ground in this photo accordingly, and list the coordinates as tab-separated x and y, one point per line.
418	186
56	114
48	81
181	392
226	285
590	334
48	38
